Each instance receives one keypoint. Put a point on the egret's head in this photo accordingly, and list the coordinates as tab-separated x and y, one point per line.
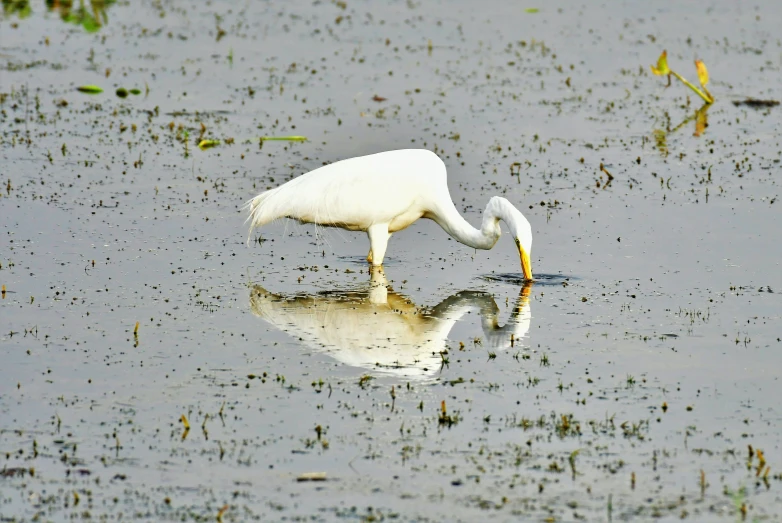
520	229
522	234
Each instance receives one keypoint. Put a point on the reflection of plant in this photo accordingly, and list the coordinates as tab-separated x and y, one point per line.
20	8
92	18
662	69
701	122
739	499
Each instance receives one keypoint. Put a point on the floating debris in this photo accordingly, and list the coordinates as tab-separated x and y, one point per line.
89	89
186	424
208	144
755	103
16	471
283	138
445	418
312	476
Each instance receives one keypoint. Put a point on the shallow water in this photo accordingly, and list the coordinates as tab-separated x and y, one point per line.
541	280
645	356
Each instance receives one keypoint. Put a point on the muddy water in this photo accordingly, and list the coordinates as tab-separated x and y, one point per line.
644	363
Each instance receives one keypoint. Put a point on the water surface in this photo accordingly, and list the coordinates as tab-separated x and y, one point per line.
636	378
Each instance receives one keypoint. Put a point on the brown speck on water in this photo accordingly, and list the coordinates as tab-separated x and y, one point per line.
755	103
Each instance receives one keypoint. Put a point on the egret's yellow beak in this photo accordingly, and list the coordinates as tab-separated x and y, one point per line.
526	264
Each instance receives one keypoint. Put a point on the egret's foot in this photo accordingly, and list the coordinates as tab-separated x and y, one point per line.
369	256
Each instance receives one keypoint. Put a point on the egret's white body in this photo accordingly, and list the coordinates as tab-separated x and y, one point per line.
384	193
376	328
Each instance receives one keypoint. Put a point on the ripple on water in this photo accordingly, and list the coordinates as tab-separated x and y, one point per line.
362	260
517	278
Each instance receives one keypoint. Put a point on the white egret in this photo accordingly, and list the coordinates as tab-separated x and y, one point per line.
374	327
384	193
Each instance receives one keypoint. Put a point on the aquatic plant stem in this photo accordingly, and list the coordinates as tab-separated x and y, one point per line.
706	96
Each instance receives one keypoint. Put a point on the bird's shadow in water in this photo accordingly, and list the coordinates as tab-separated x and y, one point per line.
517	279
371	326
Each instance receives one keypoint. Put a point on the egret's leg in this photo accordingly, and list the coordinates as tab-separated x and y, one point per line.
369	256
378	241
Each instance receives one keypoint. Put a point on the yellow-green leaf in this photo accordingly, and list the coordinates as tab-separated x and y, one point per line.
206	144
89	89
662	65
703	73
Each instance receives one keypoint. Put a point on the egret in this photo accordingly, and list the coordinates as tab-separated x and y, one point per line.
384	193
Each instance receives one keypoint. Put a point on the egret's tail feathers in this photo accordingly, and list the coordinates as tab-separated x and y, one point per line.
260	214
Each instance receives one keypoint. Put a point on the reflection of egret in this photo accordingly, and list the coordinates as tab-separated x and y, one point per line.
385	193
375	327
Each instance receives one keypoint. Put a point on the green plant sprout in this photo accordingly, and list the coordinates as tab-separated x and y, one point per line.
662	69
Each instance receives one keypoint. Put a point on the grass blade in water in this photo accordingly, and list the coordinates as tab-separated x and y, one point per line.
89	89
207	144
283	138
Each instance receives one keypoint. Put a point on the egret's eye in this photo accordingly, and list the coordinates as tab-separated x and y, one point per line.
518	242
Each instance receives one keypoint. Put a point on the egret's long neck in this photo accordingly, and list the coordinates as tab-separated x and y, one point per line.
454	224
450	310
